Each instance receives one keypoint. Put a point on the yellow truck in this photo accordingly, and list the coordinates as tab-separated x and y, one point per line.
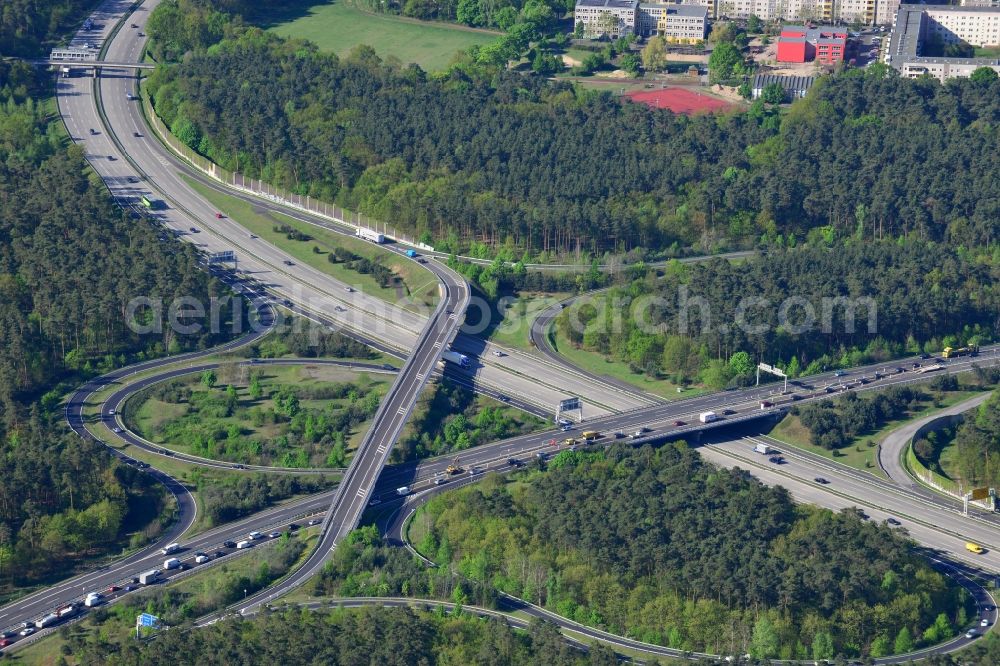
974	548
951	352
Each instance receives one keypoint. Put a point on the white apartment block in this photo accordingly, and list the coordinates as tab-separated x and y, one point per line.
917	24
683	24
614	18
867	12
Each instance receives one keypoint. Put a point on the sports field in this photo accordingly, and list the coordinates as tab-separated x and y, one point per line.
679	100
339	27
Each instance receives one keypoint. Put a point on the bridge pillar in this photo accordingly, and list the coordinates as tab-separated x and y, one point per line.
97	72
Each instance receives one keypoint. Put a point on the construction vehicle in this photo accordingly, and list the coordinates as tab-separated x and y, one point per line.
951	352
454	467
591	435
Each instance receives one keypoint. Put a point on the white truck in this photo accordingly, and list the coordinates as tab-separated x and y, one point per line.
369	235
461	360
148	577
763	449
403	491
47	621
171	563
170	548
93	599
708	417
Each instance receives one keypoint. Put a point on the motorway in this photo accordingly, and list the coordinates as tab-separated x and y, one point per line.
140	160
847	488
300	284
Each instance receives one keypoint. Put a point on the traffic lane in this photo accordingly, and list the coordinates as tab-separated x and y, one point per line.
982	529
927	525
186	564
58	596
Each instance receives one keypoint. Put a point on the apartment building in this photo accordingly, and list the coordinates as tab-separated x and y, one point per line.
866	12
918	25
682	24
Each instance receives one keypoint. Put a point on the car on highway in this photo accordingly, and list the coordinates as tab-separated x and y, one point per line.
27	631
273	535
840	373
502	397
971	633
130	588
193	230
111	412
314	521
293	526
985	622
438	480
218	216
113	588
288	262
820	480
566	428
200	558
678	423
116	429
513	462
497	353
893	522
254	535
374	501
112	158
93	132
137	135
229	544
777	460
349	290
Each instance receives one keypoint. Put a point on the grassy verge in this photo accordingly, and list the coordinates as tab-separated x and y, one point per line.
340	27
201	593
418	284
597	364
514	327
862	452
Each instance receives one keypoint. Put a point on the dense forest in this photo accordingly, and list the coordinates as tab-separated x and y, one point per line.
483	154
27	25
653	543
376	636
780	308
69	264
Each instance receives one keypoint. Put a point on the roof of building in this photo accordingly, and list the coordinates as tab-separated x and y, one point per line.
906	38
789	83
609	4
823	34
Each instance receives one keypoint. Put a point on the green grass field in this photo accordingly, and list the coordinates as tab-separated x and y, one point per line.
419	284
515	326
339	27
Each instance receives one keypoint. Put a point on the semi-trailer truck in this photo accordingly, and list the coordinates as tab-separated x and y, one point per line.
708	417
951	352
47	621
369	235
460	360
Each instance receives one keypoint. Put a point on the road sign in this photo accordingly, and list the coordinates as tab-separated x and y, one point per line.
569	404
147	620
979	494
222	257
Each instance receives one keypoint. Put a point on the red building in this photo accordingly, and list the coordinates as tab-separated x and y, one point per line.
799	43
